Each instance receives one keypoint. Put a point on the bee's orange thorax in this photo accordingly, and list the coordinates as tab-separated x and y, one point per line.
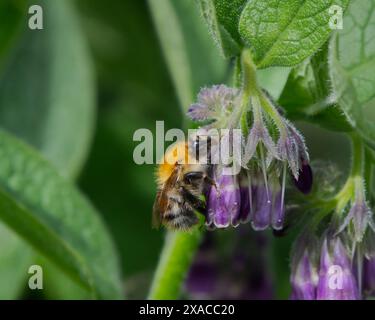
176	154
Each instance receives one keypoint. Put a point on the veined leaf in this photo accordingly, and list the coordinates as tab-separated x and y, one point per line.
308	94
284	33
222	17
56	219
47	95
352	67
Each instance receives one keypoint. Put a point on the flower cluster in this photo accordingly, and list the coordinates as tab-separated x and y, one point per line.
334	259
335	256
328	276
252	188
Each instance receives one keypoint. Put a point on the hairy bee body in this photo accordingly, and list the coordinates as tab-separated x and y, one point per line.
181	182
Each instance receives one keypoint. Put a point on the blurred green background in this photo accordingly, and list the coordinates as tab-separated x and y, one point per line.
121	69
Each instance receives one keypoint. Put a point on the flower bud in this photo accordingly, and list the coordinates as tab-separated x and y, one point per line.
305	178
304	278
336	278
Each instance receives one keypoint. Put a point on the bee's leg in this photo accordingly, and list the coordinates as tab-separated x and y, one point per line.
210	181
194	201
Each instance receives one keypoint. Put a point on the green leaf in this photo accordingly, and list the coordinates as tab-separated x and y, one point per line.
47	94
15	260
12	12
15	257
352	67
222	17
284	33
55	111
59	285
56	219
307	94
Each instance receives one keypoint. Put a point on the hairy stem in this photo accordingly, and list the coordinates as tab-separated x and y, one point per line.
249	78
354	185
251	88
174	263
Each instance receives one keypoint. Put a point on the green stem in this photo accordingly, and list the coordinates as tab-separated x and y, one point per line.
249	77
249	85
354	184
174	263
358	160
251	88
237	73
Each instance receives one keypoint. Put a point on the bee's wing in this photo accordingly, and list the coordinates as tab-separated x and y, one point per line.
157	210
161	201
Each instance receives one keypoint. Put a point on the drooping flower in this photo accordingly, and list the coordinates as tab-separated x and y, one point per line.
257	152
336	278
304	278
304	269
325	271
268	204
305	178
224	199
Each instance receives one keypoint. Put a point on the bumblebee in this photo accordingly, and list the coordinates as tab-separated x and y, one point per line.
181	183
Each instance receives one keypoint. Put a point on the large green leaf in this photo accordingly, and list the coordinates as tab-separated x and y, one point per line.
222	17
47	95
15	257
284	33
12	13
352	66
15	260
47	99
307	94
56	219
